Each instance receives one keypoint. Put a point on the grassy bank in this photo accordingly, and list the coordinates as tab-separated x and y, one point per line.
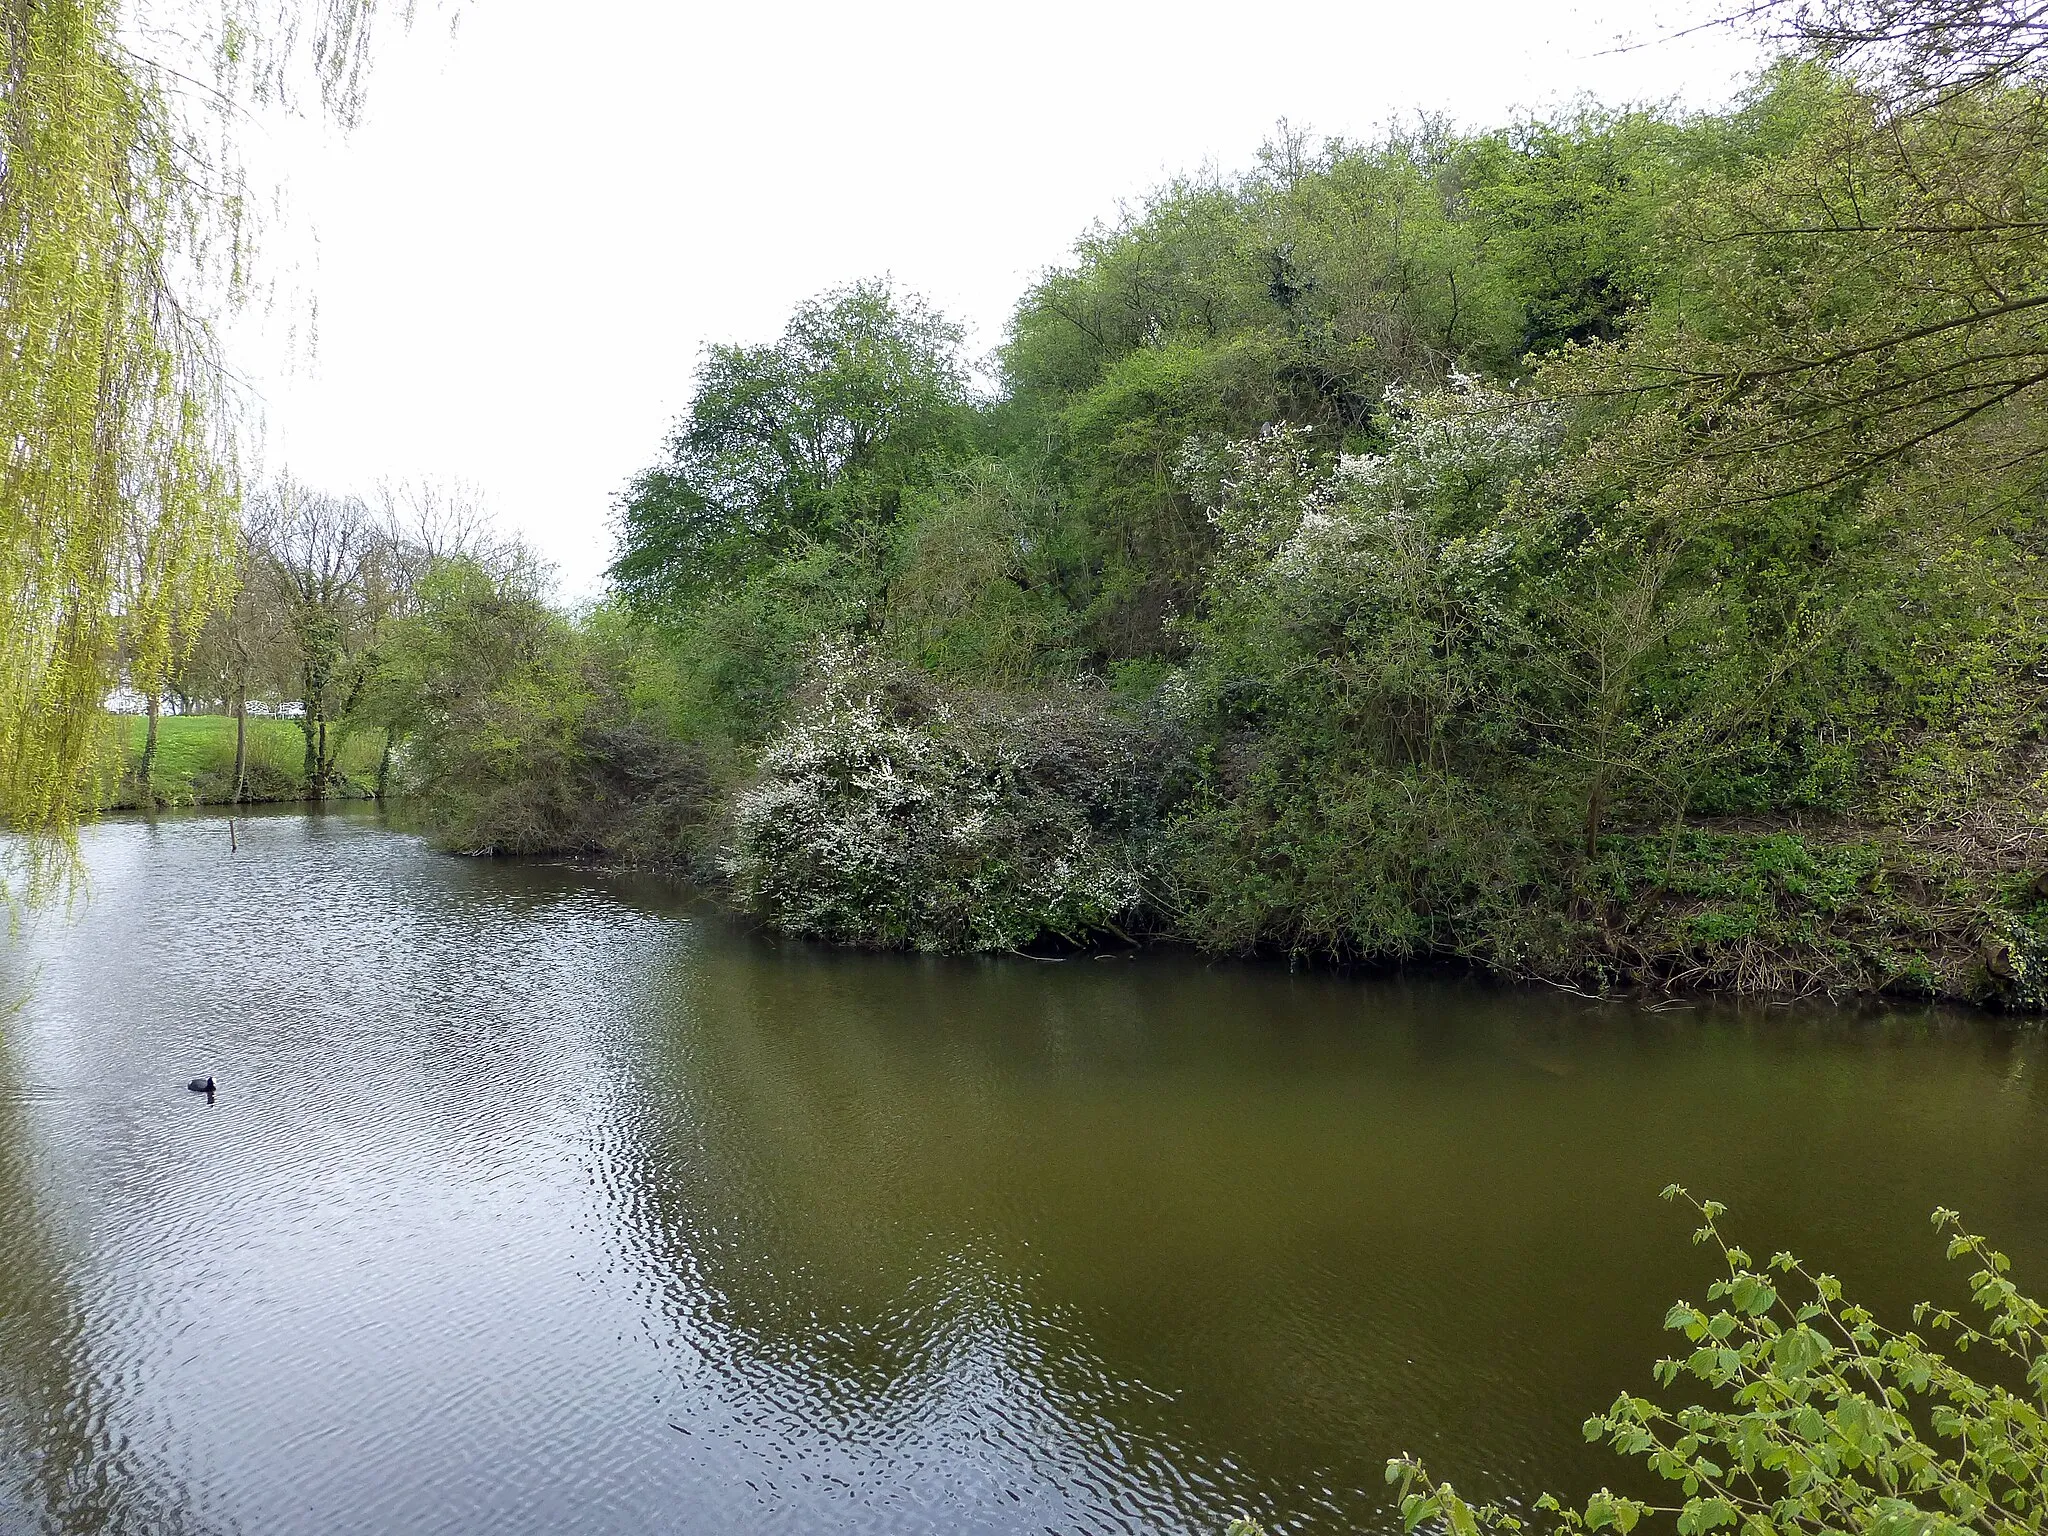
195	761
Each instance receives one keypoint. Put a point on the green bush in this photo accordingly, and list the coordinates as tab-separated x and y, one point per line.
978	586
2015	955
1379	784
527	734
1358	861
740	653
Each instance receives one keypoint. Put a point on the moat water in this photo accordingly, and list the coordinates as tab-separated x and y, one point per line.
536	1198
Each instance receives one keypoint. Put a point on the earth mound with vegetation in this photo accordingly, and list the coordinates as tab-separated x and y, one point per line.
1607	548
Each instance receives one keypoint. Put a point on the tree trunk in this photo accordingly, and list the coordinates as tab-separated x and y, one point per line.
241	743
307	724
384	767
147	772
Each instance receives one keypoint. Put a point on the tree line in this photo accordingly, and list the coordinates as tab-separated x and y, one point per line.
1606	548
315	627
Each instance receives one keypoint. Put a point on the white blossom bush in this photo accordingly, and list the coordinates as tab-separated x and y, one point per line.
1320	542
889	813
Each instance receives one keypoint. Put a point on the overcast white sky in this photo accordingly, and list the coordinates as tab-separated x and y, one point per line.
518	254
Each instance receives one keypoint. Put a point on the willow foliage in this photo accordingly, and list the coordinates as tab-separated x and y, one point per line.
117	488
124	232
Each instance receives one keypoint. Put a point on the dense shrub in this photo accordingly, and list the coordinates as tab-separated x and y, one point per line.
1383	784
982	578
1278	853
740	653
887	812
525	733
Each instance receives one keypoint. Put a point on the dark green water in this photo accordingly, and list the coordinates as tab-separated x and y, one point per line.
539	1200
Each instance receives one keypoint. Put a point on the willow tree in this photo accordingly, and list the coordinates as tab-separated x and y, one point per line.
124	238
110	405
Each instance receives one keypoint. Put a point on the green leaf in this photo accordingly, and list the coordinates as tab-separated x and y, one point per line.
1799	1351
1706	1514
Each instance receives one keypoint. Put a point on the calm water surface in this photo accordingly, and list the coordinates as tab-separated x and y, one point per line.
536	1199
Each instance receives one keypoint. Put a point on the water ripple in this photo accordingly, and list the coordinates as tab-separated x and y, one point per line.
535	1199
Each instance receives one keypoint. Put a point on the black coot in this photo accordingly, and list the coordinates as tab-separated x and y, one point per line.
202	1085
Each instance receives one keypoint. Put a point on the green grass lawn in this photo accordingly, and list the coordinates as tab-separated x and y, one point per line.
195	759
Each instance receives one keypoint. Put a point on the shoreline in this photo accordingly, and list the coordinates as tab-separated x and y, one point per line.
1777	914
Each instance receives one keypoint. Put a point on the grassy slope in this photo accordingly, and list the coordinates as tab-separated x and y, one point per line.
195	759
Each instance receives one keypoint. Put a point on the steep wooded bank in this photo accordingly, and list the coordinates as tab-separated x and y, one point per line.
1606	549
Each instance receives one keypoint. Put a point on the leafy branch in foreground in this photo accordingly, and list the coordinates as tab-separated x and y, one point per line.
1831	1421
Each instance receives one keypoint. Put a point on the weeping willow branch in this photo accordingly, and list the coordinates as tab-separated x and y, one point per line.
124	238
112	417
